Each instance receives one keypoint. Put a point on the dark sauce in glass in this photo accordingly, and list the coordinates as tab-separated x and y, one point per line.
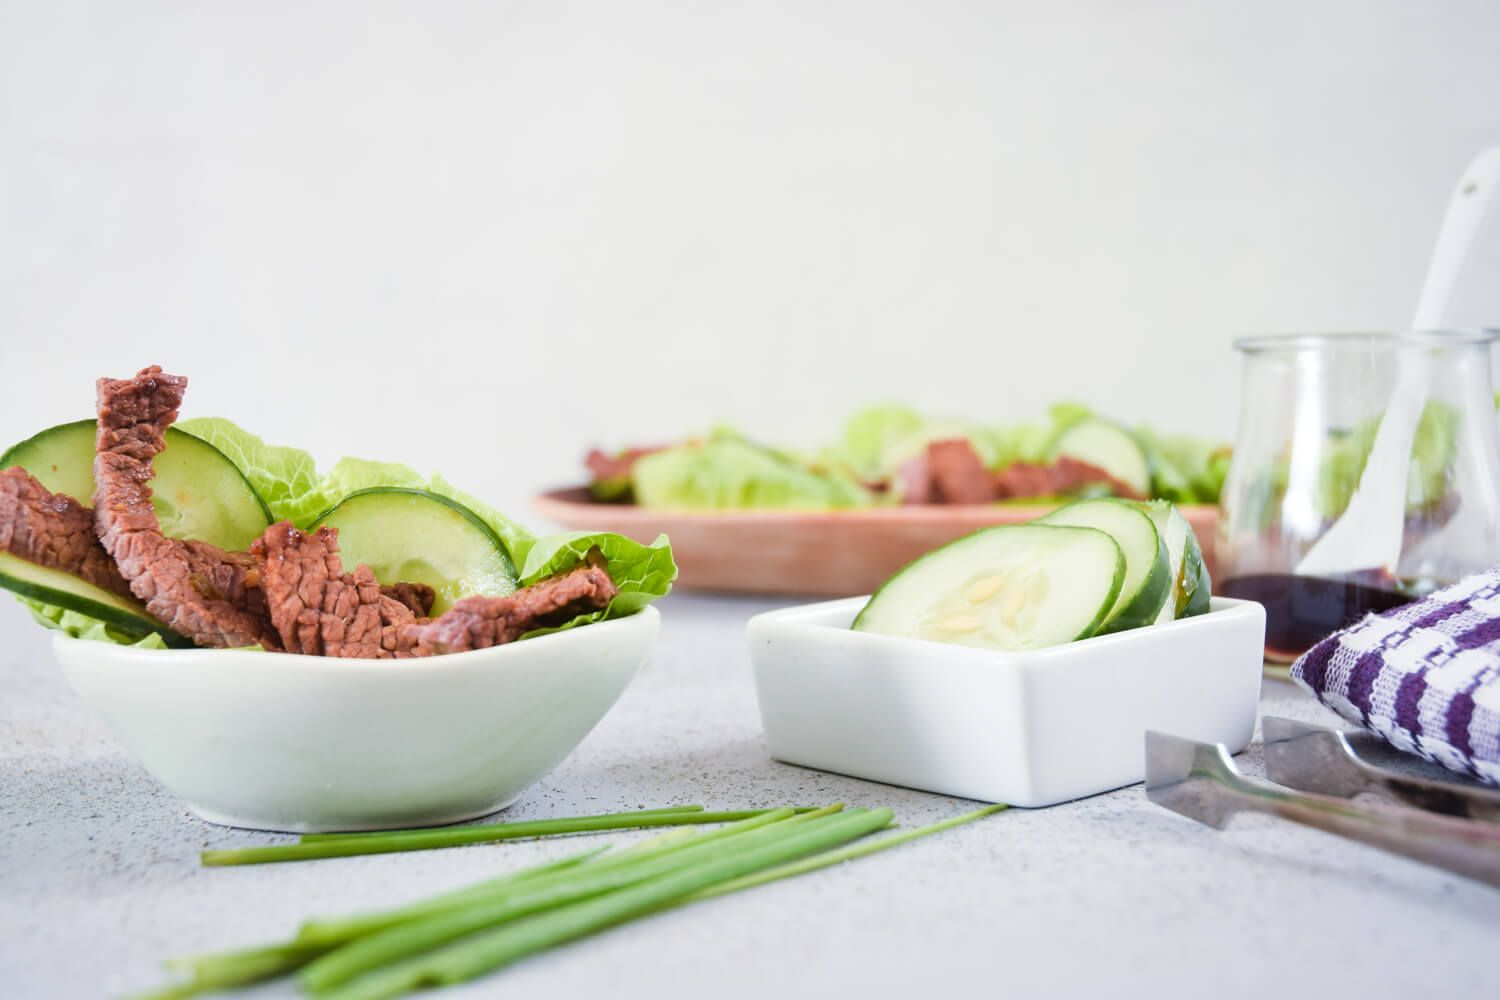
1300	610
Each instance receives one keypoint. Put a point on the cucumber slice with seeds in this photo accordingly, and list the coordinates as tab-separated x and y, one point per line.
414	536
1011	587
197	492
1148	578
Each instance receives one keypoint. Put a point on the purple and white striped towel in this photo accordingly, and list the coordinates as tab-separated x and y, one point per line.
1424	677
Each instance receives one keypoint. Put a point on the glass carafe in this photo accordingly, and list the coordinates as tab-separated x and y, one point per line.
1309	411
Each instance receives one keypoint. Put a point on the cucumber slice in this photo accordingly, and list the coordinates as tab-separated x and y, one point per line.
413	536
1148	577
197	492
1195	588
1110	447
53	586
1190	583
1019	586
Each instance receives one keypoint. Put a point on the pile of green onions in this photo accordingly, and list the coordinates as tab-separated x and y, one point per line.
460	935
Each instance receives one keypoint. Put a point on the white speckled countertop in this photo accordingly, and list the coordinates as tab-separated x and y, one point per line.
1109	896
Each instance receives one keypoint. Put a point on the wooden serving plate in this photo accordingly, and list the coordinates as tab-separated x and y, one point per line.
838	553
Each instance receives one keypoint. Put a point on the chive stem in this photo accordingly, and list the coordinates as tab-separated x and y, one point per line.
350	845
829	858
484	951
313	838
412	937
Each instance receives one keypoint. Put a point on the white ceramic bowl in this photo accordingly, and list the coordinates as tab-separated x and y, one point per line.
1029	728
275	741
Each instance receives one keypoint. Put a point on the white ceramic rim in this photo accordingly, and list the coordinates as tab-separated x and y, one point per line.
1102	644
303	663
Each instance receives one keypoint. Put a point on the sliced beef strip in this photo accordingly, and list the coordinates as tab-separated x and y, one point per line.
417	596
951	471
319	609
478	622
316	607
604	467
1063	476
54	531
958	473
201	591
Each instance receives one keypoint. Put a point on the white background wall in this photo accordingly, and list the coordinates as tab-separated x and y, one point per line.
481	236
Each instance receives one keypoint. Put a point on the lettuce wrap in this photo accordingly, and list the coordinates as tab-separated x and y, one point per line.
287	479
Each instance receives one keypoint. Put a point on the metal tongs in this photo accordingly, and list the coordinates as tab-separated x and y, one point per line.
1451	826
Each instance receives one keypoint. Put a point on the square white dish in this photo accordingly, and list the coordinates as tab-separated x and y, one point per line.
1029	728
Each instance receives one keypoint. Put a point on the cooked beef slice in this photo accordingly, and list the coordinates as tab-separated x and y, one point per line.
54	531
478	622
958	473
316	607
604	467
1063	476
417	596
319	609
207	594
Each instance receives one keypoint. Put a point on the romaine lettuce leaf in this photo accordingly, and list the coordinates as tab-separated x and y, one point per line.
1027	443
726	473
81	626
1068	414
350	475
868	437
1184	469
878	440
642	572
286	478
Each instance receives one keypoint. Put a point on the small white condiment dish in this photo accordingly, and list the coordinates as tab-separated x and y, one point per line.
1029	728
276	741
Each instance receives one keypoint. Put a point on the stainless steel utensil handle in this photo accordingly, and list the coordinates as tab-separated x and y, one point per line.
1458	845
1437	796
1317	759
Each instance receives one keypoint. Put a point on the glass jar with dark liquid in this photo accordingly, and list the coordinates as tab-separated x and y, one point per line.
1311	407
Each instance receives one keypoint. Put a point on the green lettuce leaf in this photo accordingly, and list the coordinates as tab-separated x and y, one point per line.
81	626
1027	443
286	478
1184	469
642	572
869	436
1068	414
350	475
726	473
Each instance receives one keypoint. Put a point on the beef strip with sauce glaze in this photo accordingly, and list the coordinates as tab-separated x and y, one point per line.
54	531
217	591
958	473
1063	476
478	622
199	590
321	610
